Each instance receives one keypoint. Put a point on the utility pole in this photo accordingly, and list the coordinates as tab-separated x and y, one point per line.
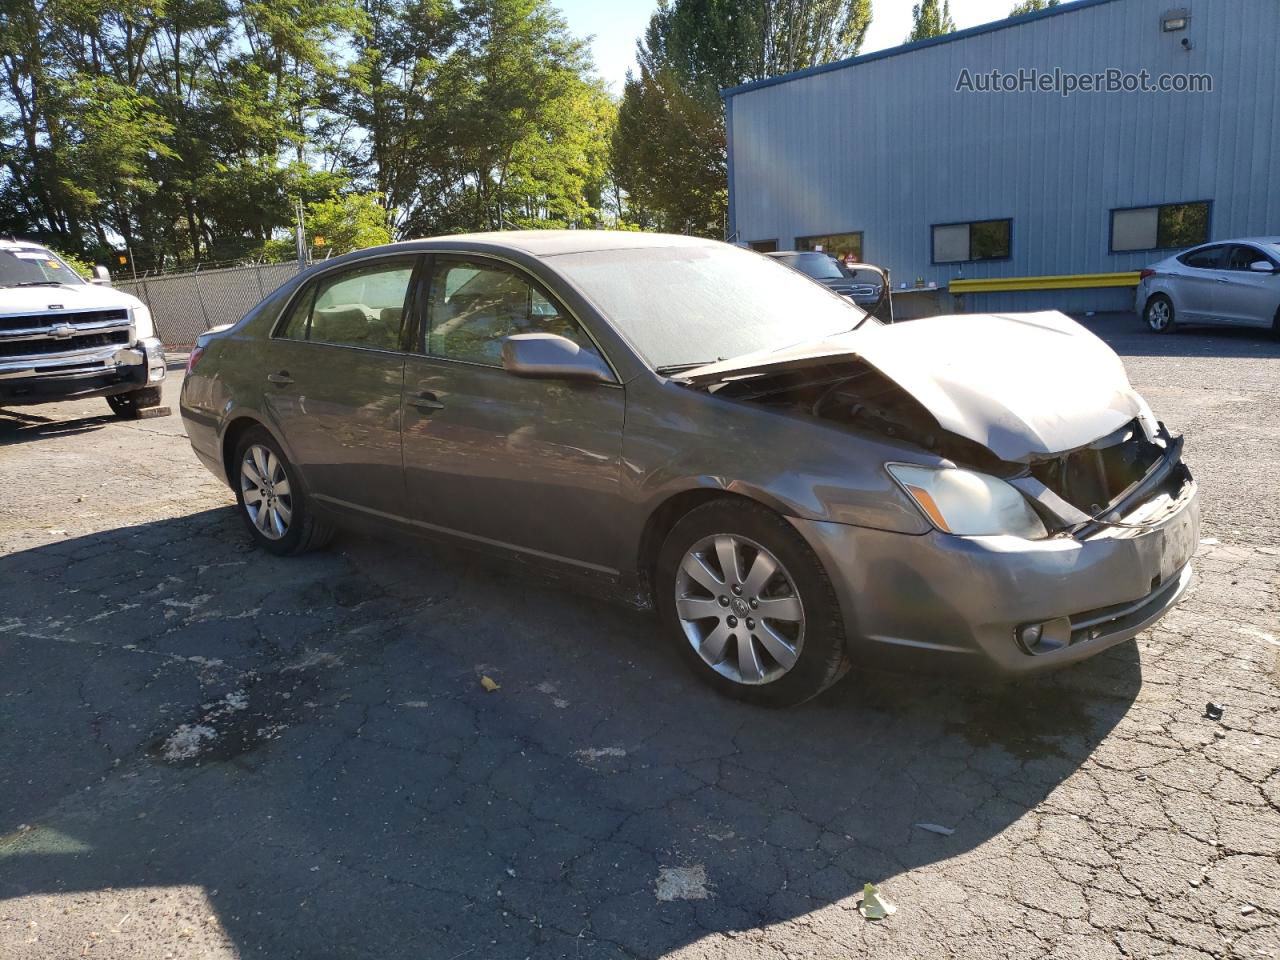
300	235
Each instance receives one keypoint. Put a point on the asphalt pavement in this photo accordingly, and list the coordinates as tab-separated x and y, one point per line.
206	751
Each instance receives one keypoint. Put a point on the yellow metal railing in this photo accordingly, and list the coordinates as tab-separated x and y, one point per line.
1067	282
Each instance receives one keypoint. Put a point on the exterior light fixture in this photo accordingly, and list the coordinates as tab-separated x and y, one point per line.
1175	20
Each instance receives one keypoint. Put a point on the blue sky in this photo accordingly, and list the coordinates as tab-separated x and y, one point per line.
617	24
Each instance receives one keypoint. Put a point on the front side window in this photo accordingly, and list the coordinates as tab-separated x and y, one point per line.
473	306
23	266
1243	258
976	240
362	307
843	246
1164	226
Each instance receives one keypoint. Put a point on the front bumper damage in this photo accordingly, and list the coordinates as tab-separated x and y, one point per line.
971	598
101	373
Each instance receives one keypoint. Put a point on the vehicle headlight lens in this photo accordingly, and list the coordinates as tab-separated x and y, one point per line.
968	503
143	325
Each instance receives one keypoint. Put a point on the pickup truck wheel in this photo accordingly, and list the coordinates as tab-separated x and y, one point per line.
749	605
272	501
126	406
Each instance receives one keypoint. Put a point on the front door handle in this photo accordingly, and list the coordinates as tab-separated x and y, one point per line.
281	377
1223	280
427	401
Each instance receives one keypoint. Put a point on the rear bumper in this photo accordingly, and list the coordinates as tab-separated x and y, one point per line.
965	599
120	370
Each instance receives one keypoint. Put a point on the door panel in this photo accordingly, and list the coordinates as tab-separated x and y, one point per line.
533	464
1247	297
339	411
335	375
524	463
1198	277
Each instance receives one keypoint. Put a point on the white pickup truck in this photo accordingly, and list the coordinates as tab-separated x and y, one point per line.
63	338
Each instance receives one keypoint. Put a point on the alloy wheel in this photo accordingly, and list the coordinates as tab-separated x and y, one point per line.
268	498
740	609
1158	315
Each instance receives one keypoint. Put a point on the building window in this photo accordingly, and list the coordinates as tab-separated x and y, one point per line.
1167	226
842	246
763	246
977	240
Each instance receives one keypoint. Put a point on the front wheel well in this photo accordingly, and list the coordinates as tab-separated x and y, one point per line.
666	516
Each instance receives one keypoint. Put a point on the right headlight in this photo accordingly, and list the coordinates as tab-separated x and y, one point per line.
968	503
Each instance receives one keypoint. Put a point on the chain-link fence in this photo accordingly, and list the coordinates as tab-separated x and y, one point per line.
185	305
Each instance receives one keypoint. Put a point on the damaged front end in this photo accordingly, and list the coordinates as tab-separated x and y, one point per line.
1075	492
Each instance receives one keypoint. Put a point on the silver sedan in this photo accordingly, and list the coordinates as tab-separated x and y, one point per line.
699	429
1232	282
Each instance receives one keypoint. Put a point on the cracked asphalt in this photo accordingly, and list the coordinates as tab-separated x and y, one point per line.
210	752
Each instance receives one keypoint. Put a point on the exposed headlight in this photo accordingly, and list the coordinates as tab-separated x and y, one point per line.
143	326
968	503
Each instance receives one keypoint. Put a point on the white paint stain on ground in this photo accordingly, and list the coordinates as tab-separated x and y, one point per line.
187	742
1259	635
682	883
596	754
416	704
550	689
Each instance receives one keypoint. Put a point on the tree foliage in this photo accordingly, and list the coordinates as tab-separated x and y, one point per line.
1031	6
931	18
187	129
669	150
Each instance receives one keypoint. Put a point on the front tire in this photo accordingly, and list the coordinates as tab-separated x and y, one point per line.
749	605
1159	314
273	504
128	406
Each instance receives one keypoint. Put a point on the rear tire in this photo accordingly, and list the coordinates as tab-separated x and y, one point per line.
128	406
272	500
716	616
1159	314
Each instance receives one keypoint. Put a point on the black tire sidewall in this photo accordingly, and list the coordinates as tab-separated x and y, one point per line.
822	657
1146	313
294	540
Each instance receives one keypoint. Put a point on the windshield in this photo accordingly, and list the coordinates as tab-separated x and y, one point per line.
33	266
693	305
820	266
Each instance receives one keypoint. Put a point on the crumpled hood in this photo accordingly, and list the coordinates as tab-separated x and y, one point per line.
1022	385
70	296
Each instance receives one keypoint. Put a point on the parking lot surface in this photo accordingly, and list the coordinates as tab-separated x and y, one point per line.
206	751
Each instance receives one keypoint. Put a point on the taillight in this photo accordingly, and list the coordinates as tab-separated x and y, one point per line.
1143	274
194	357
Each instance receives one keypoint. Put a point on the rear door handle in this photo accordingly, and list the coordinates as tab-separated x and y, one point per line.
281	377
427	401
1223	280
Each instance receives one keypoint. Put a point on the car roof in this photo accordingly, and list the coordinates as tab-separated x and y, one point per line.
21	245
552	243
1256	241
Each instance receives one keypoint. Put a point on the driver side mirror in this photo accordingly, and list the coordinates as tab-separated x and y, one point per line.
1262	266
548	356
101	275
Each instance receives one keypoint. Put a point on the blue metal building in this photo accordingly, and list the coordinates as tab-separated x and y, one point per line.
908	159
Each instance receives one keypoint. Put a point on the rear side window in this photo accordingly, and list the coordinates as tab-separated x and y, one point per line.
474	306
1210	258
362	307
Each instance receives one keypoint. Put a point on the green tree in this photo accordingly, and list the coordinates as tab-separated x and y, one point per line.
931	18
669	146
1031	6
